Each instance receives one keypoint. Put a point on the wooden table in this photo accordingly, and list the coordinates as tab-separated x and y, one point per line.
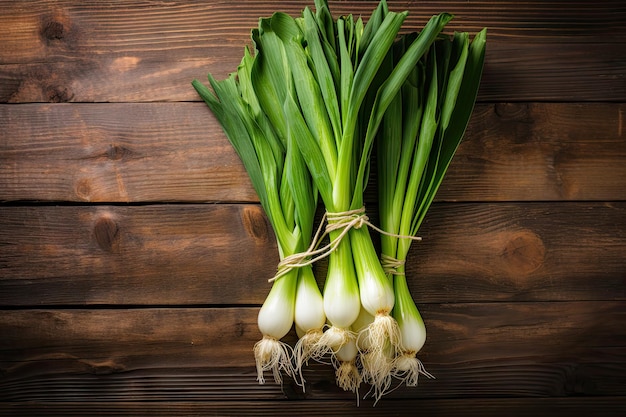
134	254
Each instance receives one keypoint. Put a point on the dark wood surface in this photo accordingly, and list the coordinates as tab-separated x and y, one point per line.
134	254
110	152
194	254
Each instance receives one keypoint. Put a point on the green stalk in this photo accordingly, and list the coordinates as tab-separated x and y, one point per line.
264	141
344	186
303	114
441	93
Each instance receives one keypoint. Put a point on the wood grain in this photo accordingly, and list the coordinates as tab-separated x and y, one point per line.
52	30
137	255
72	51
514	70
477	350
475	407
134	254
223	254
140	152
122	152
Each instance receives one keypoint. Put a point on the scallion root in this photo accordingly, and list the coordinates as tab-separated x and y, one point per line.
273	355
381	339
384	330
305	348
348	376
333	339
377	366
408	368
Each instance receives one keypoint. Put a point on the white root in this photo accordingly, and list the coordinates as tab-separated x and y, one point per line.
377	369
331	341
408	368
273	355
305	347
383	332
379	343
347	374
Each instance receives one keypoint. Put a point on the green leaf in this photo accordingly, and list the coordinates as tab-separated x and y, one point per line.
270	74
309	148
323	72
312	104
301	187
326	23
459	118
390	88
373	24
239	137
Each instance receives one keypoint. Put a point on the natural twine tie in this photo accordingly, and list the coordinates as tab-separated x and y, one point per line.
390	264
344	221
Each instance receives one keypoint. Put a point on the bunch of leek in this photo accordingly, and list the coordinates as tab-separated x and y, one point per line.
420	133
303	113
283	185
338	158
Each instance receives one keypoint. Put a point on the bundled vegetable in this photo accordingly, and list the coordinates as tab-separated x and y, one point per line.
303	113
286	193
419	136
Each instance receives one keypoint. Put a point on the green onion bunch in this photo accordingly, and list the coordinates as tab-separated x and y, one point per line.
304	113
285	190
420	132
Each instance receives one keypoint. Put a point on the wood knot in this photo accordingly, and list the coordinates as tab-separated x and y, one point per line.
53	30
83	189
56	29
106	367
107	234
116	152
255	223
512	111
524	252
58	94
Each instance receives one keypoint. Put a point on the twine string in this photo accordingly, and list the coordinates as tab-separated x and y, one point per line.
344	221
391	265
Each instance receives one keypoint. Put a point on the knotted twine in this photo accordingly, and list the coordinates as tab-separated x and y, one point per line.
391	265
344	221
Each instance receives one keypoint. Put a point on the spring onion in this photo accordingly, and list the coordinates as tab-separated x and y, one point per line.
304	112
354	266
432	109
285	191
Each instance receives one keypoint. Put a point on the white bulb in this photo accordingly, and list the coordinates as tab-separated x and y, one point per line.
276	315
376	294
412	333
309	314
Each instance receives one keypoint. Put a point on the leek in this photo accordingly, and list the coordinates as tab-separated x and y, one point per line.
304	112
433	109
355	276
287	196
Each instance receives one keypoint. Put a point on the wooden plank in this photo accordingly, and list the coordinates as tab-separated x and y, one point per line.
475	350
514	71
136	255
520	252
118	153
538	152
553	72
79	52
40	30
475	407
139	152
223	254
